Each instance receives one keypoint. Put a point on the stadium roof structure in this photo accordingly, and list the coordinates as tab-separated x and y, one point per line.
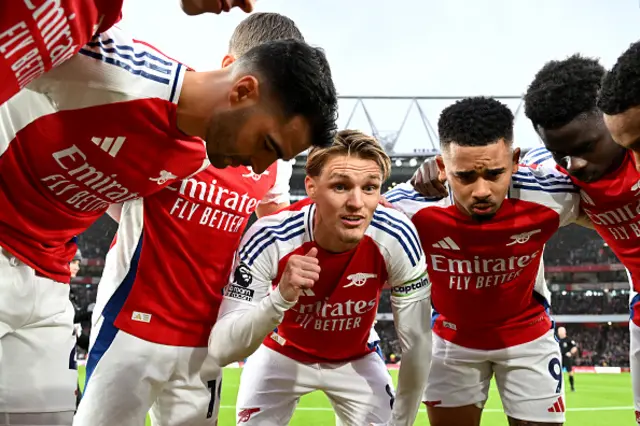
407	126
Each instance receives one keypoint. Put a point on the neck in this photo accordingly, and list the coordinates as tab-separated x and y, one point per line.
618	160
201	94
327	239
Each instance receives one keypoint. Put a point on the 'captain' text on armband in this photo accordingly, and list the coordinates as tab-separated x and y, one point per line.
410	287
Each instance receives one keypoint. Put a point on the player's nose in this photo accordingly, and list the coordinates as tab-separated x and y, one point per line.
356	199
481	190
575	164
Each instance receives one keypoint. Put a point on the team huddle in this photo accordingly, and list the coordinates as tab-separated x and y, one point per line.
182	158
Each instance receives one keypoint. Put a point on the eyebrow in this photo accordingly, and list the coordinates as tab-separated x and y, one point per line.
338	175
499	170
275	147
467	173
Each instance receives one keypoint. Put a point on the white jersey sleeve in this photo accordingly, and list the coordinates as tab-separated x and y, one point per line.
546	185
250	309
538	156
405	198
411	304
112	67
280	192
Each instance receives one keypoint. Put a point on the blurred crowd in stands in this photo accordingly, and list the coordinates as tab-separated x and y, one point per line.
598	345
574	245
574	257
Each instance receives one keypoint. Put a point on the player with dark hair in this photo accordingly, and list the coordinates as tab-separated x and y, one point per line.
562	103
619	100
569	350
118	128
167	311
484	245
37	35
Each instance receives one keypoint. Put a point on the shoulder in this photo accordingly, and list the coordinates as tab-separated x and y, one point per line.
406	199
543	177
277	233
395	233
113	67
405	192
537	156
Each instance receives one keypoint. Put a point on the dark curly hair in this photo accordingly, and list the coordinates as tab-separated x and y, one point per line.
297	76
476	121
621	86
562	90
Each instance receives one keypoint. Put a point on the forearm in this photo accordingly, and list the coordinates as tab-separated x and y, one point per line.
237	334
269	208
414	331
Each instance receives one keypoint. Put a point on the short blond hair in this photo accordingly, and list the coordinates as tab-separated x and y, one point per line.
349	142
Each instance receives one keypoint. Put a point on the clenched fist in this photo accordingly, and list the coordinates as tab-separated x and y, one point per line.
300	273
428	180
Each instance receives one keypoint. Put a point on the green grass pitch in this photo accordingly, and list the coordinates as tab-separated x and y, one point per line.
600	400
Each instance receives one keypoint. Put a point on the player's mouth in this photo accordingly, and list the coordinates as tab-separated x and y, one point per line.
482	208
352	221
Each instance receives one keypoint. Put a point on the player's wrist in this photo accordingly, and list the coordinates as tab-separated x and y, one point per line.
279	301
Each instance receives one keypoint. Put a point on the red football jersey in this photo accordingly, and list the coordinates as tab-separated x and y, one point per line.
487	292
37	35
613	206
331	322
96	130
174	250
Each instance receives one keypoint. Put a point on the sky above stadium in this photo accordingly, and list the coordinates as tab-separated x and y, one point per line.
413	48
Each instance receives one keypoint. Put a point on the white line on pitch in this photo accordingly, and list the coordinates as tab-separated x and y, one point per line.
486	410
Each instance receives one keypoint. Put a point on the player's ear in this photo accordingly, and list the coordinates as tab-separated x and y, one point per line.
310	186
228	60
516	159
245	90
441	168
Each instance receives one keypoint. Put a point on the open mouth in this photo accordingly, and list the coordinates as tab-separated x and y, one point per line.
352	221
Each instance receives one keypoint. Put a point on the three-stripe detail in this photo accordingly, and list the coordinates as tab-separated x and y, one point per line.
401	231
109	145
524	178
136	61
264	237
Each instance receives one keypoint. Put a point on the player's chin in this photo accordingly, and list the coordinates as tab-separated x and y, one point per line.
352	235
218	161
482	217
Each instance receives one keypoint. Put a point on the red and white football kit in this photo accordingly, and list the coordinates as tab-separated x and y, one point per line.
159	297
101	130
37	35
490	303
613	205
320	341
